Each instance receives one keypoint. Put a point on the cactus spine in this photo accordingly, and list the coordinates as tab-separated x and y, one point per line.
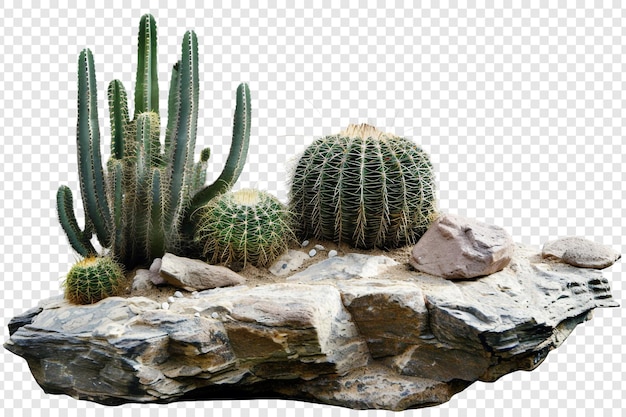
245	226
143	205
365	188
93	279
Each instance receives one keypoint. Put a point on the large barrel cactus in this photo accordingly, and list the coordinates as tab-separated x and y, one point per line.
365	188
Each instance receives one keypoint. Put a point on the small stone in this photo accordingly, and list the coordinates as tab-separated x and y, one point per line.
142	281
350	266
170	300
193	274
312	253
320	247
157	279
580	252
178	294
455	247
156	265
304	244
332	253
287	263
165	306
215	315
196	315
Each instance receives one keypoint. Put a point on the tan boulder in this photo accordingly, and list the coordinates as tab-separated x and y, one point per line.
455	247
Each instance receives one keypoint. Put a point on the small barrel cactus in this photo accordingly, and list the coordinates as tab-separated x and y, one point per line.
93	279
364	187
244	226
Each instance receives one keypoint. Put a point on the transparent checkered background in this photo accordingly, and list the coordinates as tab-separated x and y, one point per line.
521	109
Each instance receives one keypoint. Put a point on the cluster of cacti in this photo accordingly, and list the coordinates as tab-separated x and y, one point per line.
93	279
244	226
140	207
365	188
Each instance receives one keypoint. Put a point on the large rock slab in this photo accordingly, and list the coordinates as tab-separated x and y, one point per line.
455	247
335	335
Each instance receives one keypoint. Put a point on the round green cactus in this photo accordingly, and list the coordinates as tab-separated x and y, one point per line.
244	226
364	187
93	279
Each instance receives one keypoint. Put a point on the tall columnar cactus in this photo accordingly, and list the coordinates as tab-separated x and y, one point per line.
143	204
245	226
365	188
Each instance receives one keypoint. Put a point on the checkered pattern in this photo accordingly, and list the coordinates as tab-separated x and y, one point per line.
521	109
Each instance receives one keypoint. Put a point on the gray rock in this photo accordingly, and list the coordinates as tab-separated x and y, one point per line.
395	340
344	267
580	252
155	276
195	275
455	247
142	281
289	262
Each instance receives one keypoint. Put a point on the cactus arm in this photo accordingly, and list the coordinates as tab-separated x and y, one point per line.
116	192
78	239
184	142
173	106
89	160
155	233
148	137
237	155
118	109
135	208
199	170
147	86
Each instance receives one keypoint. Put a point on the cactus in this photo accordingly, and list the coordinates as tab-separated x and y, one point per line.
143	204
93	279
365	188
244	226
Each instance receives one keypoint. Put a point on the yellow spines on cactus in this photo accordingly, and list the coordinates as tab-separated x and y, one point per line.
245	226
365	188
93	279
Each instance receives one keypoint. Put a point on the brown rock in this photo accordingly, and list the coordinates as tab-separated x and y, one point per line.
390	314
455	247
195	275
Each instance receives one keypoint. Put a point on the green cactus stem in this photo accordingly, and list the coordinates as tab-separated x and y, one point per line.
247	226
79	239
365	188
141	207
237	154
90	169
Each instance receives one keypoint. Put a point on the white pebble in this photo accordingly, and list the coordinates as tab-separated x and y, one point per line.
178	294
305	244
320	247
165	306
215	315
170	300
197	315
332	253
312	253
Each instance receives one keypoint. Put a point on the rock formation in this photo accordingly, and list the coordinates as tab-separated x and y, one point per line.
381	336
